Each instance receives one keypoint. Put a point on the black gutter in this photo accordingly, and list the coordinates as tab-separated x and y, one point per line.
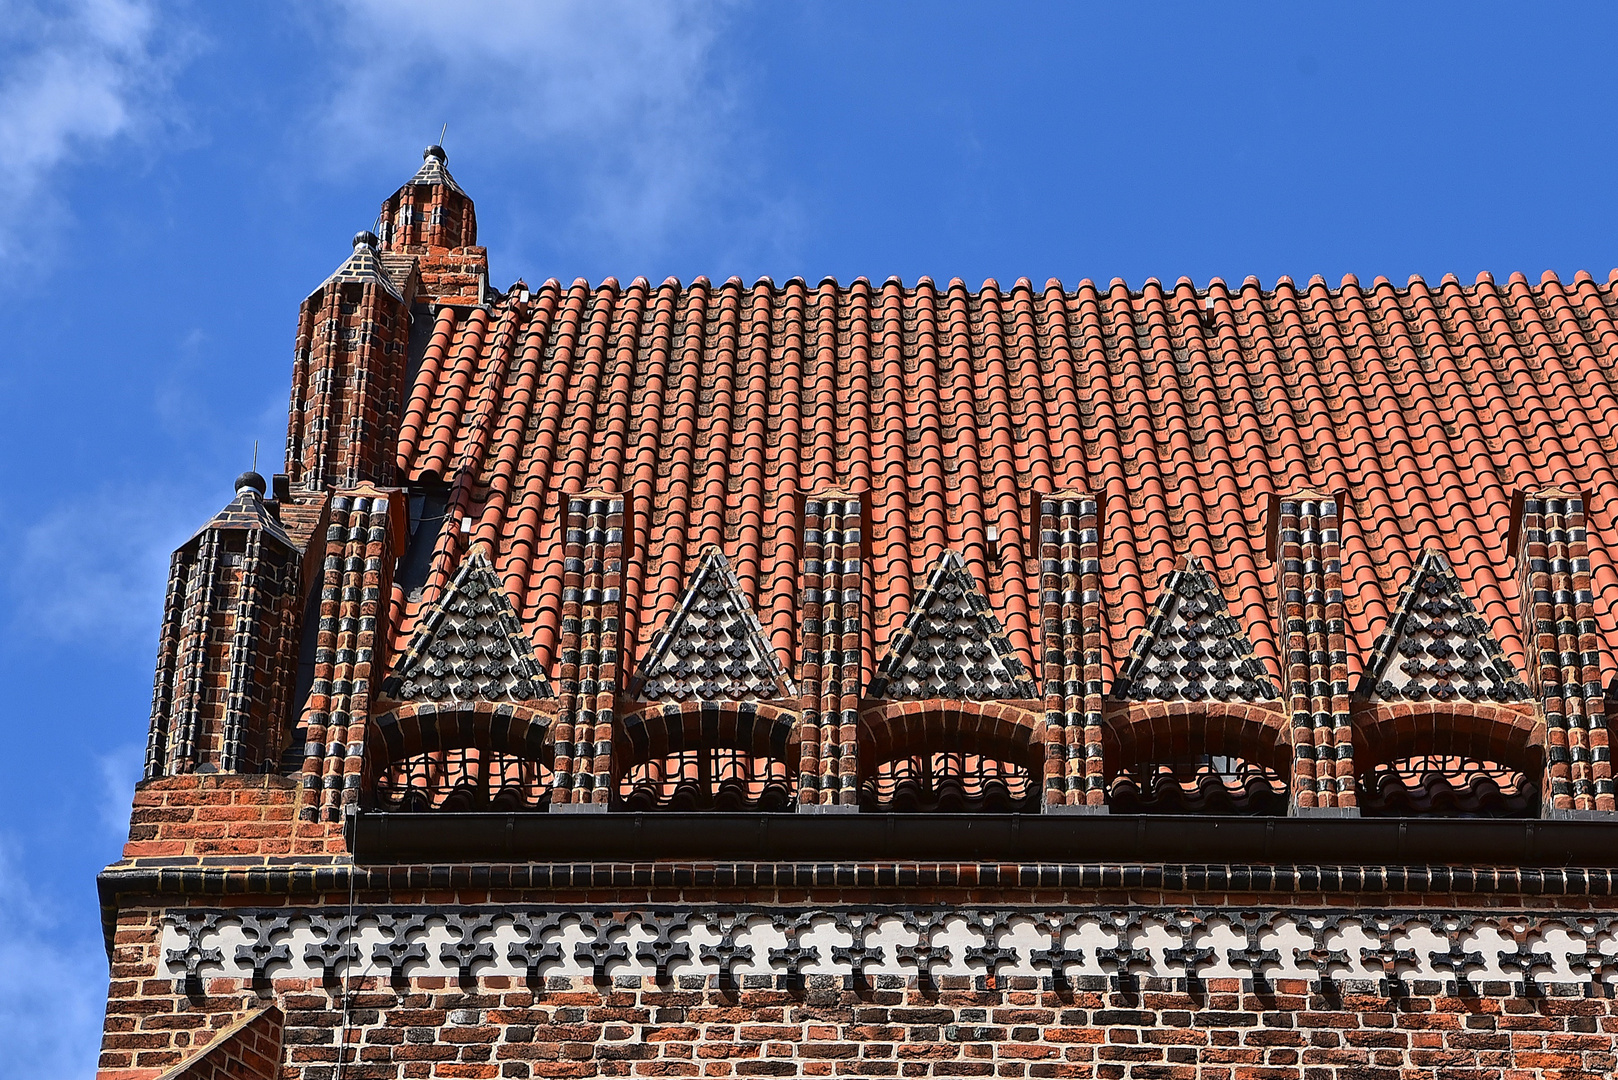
383	838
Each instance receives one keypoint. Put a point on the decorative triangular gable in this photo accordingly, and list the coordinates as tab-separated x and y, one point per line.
712	648
1437	647
951	646
1192	648
469	645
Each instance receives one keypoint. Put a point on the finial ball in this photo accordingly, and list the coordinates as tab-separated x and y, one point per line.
434	151
365	238
250	480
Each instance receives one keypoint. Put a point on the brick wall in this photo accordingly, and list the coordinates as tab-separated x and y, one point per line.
197	816
250	1049
504	1028
883	1025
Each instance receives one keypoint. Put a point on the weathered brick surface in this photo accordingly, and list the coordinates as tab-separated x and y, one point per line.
249	1049
1222	1029
893	1027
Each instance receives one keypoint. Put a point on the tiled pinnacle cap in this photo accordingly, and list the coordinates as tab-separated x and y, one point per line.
365	264
435	169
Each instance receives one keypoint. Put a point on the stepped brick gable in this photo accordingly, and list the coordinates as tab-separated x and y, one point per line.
890	679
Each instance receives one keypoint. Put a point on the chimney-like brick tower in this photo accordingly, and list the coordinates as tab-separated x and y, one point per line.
229	644
433	220
348	375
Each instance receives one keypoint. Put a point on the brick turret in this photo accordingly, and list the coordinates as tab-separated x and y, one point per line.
349	371
229	643
432	219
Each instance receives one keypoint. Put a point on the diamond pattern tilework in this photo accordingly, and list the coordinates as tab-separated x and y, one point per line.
1436	647
713	648
1192	648
470	646
952	646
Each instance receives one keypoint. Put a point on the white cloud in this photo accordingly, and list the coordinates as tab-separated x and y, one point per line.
76	77
619	102
95	571
52	1002
119	770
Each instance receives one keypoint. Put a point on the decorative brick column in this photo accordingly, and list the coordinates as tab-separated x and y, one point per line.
1308	558
831	674
592	614
364	540
1070	614
1561	639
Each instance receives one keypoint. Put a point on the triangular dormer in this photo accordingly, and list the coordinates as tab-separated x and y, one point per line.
1192	648
1437	647
712	648
952	646
469	645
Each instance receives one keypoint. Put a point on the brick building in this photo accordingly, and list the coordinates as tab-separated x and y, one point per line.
891	680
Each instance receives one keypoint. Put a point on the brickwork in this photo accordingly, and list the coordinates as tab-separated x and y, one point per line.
362	546
1564	660
975	800
831	663
588	681
1070	598
249	1049
1128	1025
1308	555
1220	1033
228	647
348	377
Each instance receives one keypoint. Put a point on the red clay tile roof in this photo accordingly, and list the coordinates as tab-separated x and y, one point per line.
710	406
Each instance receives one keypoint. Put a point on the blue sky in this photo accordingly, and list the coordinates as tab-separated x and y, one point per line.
181	175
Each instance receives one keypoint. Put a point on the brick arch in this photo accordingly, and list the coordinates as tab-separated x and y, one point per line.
419	728
991	730
752	727
1156	731
1483	731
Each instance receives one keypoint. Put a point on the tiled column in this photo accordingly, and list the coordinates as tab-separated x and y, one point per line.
1070	614
1564	660
363	541
1315	657
592	603
831	668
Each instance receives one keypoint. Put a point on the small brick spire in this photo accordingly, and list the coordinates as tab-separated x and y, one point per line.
348	373
432	221
430	210
229	643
